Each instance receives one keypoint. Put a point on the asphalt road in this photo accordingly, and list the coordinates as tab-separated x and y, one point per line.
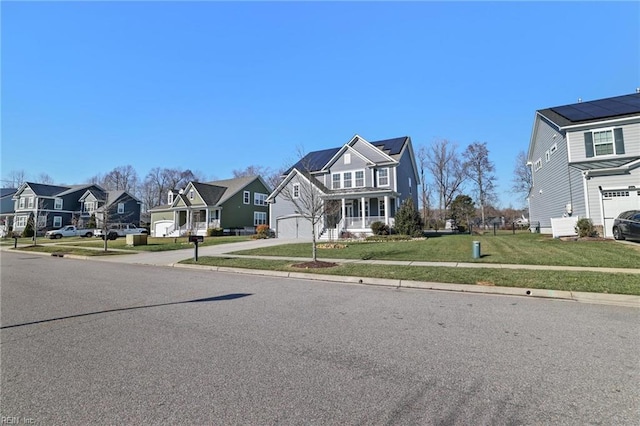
89	342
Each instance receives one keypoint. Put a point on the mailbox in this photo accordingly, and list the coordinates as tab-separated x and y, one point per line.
196	238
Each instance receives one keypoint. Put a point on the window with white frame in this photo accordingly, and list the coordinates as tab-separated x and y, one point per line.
120	208
42	221
57	221
21	221
410	188
89	206
547	156
554	148
383	177
170	198
335	181
259	218
296	190
347	158
348	182
191	194
381	207
359	179
603	142
21	204
259	199
246	197
31	200
538	164
57	205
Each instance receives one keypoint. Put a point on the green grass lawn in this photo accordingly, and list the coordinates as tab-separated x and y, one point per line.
521	248
154	243
598	282
79	251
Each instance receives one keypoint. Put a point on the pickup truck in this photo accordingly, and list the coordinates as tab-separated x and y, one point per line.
69	231
119	230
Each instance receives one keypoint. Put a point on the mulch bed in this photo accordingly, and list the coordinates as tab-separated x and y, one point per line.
316	264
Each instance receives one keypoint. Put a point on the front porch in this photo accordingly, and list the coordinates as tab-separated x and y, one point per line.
355	215
190	221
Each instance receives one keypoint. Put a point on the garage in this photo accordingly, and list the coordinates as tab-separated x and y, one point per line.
616	201
293	227
160	228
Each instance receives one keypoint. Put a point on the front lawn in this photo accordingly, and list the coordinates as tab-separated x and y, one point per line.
53	249
157	243
596	282
521	248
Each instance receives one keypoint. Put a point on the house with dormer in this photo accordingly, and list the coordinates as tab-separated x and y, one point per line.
358	183
585	162
56	206
239	203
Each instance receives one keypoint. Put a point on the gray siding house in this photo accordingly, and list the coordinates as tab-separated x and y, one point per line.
58	206
6	210
358	183
585	161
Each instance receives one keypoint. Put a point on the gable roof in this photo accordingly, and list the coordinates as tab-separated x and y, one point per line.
5	192
593	111
317	160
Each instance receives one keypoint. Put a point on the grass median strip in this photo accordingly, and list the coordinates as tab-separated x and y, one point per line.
596	282
78	251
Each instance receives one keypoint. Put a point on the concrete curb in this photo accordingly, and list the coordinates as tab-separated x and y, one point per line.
592	298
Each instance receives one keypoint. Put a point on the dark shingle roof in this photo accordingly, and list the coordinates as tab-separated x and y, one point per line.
210	194
593	111
391	146
4	192
45	190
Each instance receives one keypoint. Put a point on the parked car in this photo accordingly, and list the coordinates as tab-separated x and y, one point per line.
69	231
119	230
627	225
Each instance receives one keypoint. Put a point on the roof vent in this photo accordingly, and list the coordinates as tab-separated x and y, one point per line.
579	100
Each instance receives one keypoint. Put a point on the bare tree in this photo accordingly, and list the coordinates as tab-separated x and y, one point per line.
44	178
426	189
122	178
272	177
522	177
480	170
300	189
444	164
14	179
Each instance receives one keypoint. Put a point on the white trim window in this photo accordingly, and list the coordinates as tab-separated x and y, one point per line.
538	164
383	177
21	203
547	156
359	178
90	206
554	148
603	142
192	194
347	180
381	207
246	197
347	158
57	221
42	221
335	181
120	208
20	222
296	190
259	218
259	199
57	204
31	202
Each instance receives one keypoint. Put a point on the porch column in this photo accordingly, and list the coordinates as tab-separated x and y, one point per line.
175	221
386	209
363	213
206	226
344	212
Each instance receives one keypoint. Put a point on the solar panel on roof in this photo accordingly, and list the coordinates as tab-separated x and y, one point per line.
603	108
315	160
394	146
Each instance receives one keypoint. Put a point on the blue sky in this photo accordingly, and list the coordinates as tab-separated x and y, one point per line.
218	86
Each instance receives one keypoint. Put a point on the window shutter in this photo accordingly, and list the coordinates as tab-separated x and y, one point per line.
588	144
617	136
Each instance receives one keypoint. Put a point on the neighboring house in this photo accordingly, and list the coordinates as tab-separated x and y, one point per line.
116	206
239	203
585	161
6	209
57	206
362	182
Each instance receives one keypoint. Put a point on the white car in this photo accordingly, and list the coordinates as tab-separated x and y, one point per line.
119	230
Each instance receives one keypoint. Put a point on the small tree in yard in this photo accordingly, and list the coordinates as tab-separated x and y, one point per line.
408	221
585	228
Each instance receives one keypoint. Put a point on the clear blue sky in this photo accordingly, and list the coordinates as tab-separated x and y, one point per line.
218	86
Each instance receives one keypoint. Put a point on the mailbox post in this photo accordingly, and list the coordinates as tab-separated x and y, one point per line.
195	239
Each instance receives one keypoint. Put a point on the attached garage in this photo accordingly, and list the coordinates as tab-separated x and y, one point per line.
160	228
293	227
616	201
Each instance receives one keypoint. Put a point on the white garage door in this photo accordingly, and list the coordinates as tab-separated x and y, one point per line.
160	227
293	227
615	202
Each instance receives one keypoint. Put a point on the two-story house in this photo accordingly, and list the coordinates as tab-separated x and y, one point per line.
56	206
585	161
7	210
238	203
356	184
112	206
